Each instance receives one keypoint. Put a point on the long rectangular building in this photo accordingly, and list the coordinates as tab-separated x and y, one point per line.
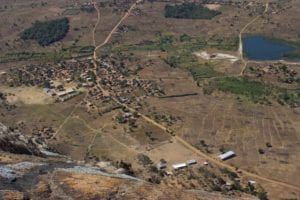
179	166
227	155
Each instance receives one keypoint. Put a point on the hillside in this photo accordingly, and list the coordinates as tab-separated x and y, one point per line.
36	178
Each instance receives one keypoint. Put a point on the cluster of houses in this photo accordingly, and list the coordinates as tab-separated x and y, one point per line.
36	75
86	6
66	94
89	81
113	80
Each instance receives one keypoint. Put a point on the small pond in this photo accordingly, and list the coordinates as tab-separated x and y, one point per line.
261	48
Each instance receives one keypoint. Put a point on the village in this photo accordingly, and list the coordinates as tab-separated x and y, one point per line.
68	79
154	97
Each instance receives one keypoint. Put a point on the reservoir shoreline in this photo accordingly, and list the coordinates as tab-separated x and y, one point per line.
261	48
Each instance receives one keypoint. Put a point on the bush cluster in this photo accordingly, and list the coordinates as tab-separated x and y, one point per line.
46	33
189	11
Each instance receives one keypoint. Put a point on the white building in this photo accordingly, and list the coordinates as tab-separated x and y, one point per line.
227	155
179	166
63	93
191	162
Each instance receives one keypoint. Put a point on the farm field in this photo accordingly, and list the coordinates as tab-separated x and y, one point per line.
224	122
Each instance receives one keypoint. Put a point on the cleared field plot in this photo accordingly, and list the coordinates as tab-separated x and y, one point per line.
265	138
27	95
108	147
75	137
37	115
166	152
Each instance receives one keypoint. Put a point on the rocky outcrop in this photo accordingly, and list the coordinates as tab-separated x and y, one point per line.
74	184
14	142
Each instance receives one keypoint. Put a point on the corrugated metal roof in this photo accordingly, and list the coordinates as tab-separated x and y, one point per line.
179	165
68	91
226	155
190	162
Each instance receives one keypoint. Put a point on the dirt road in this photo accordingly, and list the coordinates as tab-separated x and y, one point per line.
113	30
97	23
240	50
177	138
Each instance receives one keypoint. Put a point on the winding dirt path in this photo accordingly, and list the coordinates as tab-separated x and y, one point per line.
97	23
240	50
127	14
177	138
67	118
102	131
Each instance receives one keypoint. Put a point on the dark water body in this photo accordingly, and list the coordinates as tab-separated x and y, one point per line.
261	48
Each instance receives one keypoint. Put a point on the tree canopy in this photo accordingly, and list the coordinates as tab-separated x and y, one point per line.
189	11
48	32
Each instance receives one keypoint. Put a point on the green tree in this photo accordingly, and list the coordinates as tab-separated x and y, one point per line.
189	11
46	33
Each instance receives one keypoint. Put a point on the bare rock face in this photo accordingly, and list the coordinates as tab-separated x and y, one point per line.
14	142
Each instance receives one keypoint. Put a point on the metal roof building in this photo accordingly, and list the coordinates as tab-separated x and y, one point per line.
191	162
161	165
227	155
179	165
63	93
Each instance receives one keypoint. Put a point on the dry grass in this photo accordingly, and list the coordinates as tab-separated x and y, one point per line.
27	95
90	185
13	195
221	120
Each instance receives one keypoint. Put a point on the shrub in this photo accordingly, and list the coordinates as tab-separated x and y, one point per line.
252	89
207	173
203	71
250	189
216	187
261	151
262	195
231	175
290	97
237	186
144	159
172	61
